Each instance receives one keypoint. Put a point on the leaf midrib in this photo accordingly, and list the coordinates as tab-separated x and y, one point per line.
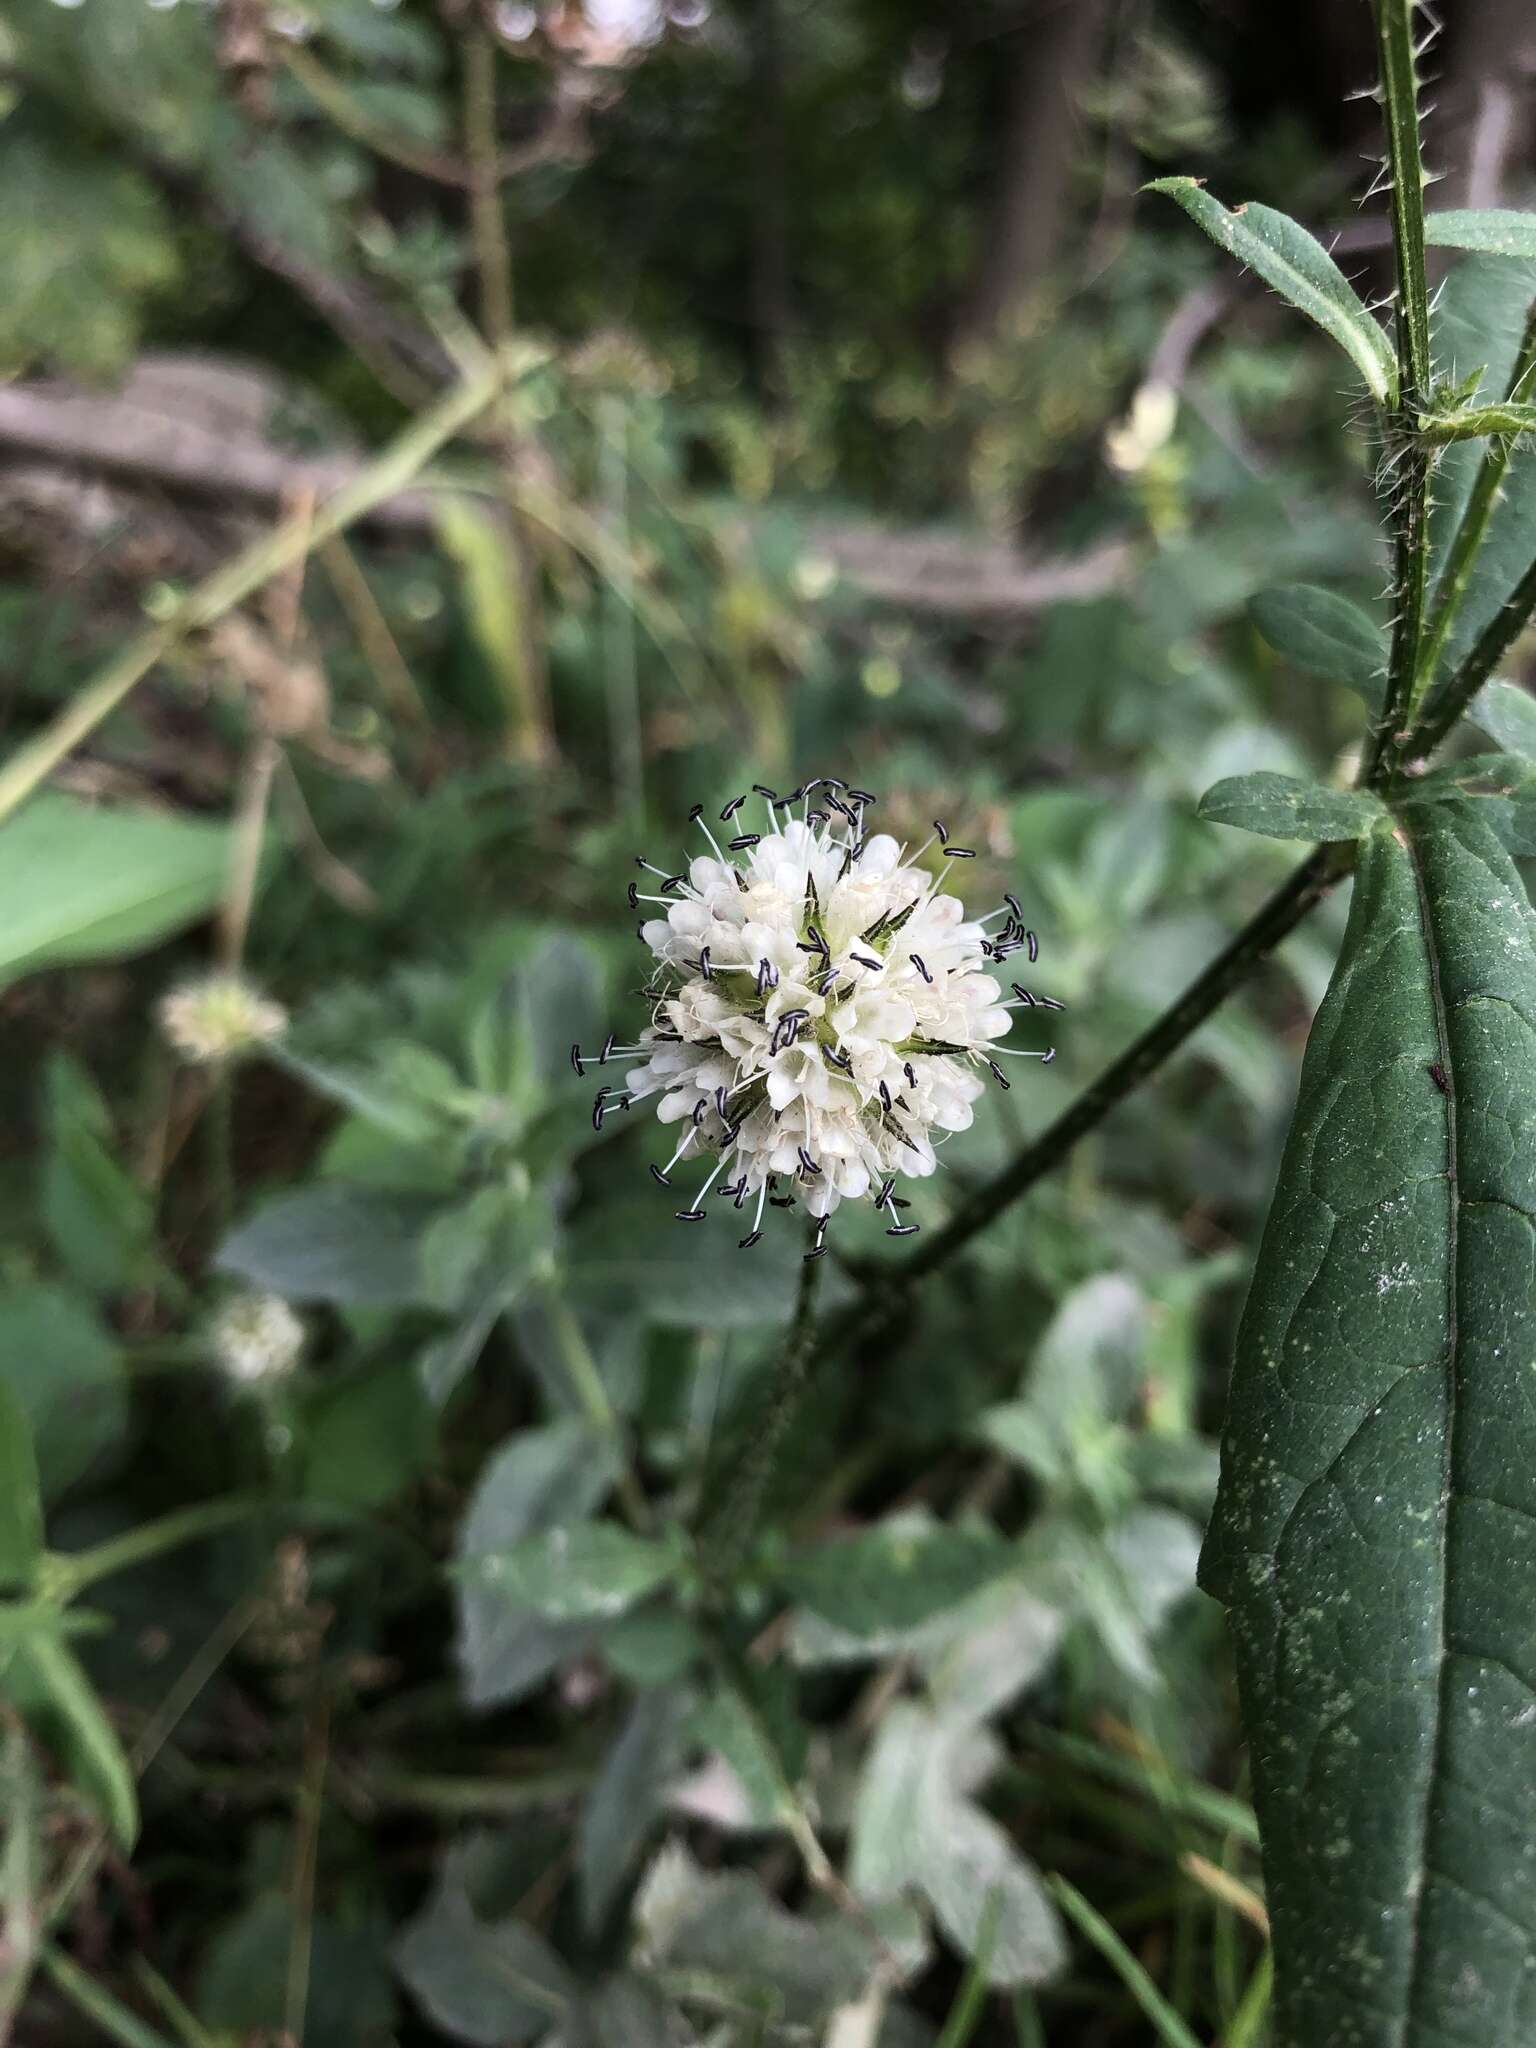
1452	1388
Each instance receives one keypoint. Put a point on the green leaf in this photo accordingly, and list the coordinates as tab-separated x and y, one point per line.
47	1680
1282	807
1492	231
83	881
916	1829
541	1477
1325	635
1375	1532
579	1571
894	1575
1300	269
66	1373
626	1800
21	1507
242	1981
336	1242
99	1217
1507	714
485	1981
632	1259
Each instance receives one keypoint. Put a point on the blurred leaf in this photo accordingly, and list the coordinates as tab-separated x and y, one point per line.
1508	715
913	1829
335	1243
577	1571
627	2012
1373	1533
489	1245
1479	317
368	1437
652	1645
541	1477
894	1575
1280	807
726	1926
83	881
1493	231
1324	635
100	1219
48	1684
628	1796
21	1507
636	1259
84	244
66	1375
1299	268
242	1983
488	1982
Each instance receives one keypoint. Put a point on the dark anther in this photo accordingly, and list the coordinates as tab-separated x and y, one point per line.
695	814
922	967
759	790
597	1108
668	1038
839	1059
720	1110
1034	947
640	931
607	1051
885	1096
816	817
999	1076
795	794
659	1177
700	1111
576	1056
704	963
745	839
864	960
1050	1003
910	1071
942	829
820	1252
672	882
689	1215
809	1164
634	895
861	796
781	1201
1023	995
747	1243
641	861
884	1195
731	809
1013	904
961	852
904	1230
1047	1057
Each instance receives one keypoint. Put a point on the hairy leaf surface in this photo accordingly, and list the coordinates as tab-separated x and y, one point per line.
1375	1532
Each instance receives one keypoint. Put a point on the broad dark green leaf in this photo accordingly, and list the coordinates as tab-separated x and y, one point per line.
1325	635
1479	318
485	1981
66	1372
628	1796
1282	807
636	1259
1375	1531
1493	231
1300	269
894	1576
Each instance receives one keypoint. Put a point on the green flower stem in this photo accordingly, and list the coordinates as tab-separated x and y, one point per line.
734	1501
1456	577
237	579
66	1575
587	1384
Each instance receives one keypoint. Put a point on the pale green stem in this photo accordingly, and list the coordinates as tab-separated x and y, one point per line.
65	1575
587	1384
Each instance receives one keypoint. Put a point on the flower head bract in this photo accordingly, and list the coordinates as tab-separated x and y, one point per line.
823	1011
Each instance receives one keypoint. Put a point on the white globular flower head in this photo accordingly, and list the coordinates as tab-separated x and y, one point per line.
824	1013
256	1338
219	1016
